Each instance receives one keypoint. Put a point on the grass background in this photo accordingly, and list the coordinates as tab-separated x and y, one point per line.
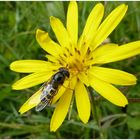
18	23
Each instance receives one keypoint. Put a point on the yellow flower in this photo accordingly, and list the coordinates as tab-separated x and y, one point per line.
83	58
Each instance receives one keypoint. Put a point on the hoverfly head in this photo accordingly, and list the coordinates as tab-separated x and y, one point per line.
65	72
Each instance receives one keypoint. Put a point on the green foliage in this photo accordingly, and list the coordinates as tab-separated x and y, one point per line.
18	23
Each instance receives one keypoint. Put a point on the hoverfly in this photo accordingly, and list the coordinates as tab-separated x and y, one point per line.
50	88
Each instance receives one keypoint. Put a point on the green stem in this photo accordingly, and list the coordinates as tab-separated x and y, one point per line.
135	100
94	111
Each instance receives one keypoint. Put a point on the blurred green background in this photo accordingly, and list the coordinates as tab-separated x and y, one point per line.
18	23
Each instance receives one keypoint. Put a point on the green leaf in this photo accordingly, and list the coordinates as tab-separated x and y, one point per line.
56	9
133	122
5	92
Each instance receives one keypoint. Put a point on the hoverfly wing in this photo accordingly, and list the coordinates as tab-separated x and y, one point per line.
45	91
44	101
41	106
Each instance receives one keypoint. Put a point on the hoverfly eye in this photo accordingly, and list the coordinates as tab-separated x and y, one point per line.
67	74
59	78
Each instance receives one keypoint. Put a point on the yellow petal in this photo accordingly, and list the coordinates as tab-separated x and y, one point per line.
60	31
46	43
31	102
103	50
32	80
108	25
72	21
98	52
91	26
52	59
61	110
83	78
119	53
72	82
93	21
62	106
113	76
28	66
82	102
108	91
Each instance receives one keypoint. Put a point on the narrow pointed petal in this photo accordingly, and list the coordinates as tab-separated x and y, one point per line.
61	110
119	53
29	66
82	102
31	102
72	21
46	43
113	76
62	107
93	22
108	25
108	91
32	80
60	32
83	78
52	59
102	50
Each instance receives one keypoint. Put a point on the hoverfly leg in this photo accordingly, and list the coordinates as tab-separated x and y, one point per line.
68	88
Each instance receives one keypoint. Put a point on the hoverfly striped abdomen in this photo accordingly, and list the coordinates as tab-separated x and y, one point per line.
51	87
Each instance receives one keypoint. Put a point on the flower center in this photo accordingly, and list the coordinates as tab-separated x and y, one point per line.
75	61
75	65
